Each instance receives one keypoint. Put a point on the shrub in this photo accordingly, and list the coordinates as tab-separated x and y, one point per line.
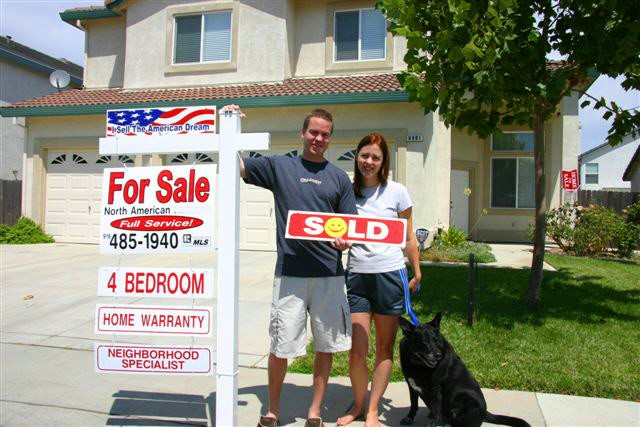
25	232
595	230
439	252
632	213
4	230
560	226
453	237
626	238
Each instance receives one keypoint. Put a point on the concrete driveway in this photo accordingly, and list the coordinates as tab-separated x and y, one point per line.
48	296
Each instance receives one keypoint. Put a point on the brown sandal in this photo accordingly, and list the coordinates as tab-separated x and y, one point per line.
268	422
314	422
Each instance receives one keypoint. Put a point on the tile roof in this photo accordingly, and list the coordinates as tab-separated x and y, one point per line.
358	84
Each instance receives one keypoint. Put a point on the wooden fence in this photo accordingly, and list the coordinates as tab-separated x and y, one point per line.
10	201
615	200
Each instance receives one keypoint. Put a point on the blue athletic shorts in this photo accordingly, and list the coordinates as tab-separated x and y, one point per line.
381	293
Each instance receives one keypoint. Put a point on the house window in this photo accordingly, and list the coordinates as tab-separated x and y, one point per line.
591	173
512	141
359	35
203	38
512	182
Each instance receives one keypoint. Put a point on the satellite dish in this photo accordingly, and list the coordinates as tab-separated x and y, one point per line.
59	79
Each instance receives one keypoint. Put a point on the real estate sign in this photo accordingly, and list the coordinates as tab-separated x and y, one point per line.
192	283
158	209
147	359
354	228
153	320
570	180
160	121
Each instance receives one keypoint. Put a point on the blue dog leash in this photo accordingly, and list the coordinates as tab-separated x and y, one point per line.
407	297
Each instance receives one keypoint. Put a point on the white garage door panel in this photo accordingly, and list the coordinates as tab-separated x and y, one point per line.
74	185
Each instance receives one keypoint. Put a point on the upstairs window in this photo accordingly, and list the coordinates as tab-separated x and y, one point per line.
360	35
202	38
591	173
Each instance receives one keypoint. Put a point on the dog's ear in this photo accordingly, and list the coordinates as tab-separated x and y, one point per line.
406	326
436	320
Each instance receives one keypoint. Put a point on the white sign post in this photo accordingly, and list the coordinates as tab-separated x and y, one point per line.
231	141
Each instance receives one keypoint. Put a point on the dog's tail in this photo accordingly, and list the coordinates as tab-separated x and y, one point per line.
505	420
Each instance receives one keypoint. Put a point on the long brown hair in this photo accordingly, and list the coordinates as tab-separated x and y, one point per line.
383	173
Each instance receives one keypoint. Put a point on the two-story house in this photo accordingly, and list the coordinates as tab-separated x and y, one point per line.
277	59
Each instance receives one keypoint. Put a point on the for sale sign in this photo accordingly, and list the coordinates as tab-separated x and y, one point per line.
193	283
354	228
570	180
153	320
158	209
145	359
161	121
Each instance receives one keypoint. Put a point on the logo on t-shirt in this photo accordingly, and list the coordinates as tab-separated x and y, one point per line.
311	180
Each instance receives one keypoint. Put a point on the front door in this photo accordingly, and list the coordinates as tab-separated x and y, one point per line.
460	200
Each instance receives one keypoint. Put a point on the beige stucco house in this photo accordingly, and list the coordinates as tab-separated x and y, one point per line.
277	59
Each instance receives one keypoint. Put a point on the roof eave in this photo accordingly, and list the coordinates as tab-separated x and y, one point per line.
248	102
72	17
35	65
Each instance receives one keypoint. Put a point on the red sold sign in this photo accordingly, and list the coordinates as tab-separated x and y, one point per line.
354	228
570	180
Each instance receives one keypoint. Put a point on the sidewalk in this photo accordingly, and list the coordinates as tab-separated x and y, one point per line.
48	297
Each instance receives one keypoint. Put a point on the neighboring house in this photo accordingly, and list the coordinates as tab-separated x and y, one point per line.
277	60
632	172
602	167
24	73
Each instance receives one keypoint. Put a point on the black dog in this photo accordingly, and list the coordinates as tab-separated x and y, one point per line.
434	372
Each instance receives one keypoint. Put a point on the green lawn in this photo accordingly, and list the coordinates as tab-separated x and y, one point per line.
584	340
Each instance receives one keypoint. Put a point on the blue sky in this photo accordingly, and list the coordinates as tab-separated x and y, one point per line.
38	25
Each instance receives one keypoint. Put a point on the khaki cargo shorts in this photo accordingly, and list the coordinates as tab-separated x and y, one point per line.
325	299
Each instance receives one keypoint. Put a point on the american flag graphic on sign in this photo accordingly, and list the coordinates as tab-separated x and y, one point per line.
161	121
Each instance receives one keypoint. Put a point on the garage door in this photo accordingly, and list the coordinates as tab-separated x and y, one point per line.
73	191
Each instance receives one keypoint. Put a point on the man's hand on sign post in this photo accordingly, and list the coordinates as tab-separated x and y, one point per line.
232	108
341	244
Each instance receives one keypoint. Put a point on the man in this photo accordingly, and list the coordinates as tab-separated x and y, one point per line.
309	276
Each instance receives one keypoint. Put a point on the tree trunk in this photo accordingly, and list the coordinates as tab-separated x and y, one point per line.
535	279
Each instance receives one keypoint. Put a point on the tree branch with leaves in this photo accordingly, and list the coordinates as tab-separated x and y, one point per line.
482	65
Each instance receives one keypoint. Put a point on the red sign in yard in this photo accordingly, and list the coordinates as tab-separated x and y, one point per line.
354	228
193	283
141	359
570	180
153	320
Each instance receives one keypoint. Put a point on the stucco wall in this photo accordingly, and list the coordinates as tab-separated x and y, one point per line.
260	40
104	52
612	162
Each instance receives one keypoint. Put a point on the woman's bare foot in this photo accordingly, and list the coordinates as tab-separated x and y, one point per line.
353	414
372	419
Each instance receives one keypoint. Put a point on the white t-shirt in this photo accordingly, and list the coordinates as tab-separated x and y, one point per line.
379	201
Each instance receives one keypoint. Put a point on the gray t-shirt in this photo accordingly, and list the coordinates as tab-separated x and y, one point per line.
298	184
386	202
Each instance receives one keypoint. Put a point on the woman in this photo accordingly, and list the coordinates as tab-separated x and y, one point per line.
377	285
